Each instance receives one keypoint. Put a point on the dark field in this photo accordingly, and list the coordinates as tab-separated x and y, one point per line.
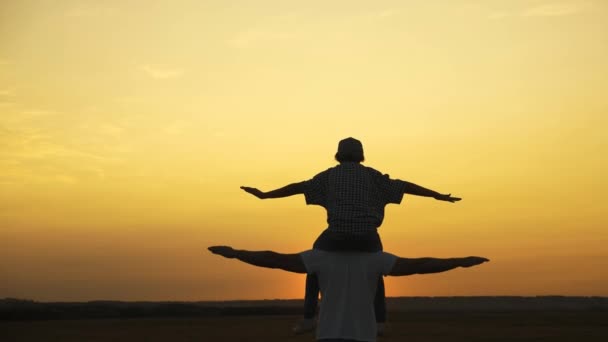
554	326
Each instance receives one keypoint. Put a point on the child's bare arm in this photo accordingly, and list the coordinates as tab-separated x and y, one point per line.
286	191
414	189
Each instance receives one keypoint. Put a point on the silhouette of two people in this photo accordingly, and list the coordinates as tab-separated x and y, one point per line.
354	197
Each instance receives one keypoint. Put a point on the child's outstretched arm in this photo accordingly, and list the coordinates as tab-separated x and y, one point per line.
413	189
286	191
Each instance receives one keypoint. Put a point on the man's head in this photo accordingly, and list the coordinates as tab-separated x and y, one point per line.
350	150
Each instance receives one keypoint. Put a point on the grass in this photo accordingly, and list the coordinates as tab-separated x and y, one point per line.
554	326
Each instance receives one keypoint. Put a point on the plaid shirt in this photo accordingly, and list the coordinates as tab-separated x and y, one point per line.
354	196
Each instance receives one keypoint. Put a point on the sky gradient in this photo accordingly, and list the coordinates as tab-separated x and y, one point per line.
126	129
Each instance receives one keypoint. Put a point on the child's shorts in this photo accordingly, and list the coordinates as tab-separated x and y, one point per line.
336	241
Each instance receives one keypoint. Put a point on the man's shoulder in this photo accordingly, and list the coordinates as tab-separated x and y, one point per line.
377	262
316	260
309	252
313	260
311	255
314	254
345	255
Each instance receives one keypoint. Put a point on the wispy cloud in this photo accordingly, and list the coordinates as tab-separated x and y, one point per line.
546	10
41	147
176	127
499	15
32	153
111	129
555	10
29	156
7	92
386	13
90	11
161	72
32	113
130	99
18	118
252	37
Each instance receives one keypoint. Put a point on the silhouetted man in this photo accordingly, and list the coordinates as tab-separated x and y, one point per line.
354	197
348	283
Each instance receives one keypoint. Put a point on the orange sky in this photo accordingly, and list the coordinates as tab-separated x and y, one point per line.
126	129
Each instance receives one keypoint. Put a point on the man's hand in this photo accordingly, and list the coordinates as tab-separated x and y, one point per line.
472	261
225	251
447	198
255	192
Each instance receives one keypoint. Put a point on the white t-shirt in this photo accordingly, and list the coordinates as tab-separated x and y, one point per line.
348	285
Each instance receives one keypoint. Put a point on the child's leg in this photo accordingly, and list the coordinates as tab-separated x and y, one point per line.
332	241
311	300
311	296
326	242
380	302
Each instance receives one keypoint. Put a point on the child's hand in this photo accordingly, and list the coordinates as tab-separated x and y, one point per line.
255	192
447	198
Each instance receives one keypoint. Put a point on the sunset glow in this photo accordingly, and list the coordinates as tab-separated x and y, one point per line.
127	127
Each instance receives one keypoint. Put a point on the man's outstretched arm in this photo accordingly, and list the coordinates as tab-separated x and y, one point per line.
407	266
288	190
413	189
267	259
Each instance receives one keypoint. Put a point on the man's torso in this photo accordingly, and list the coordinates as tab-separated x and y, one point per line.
348	285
